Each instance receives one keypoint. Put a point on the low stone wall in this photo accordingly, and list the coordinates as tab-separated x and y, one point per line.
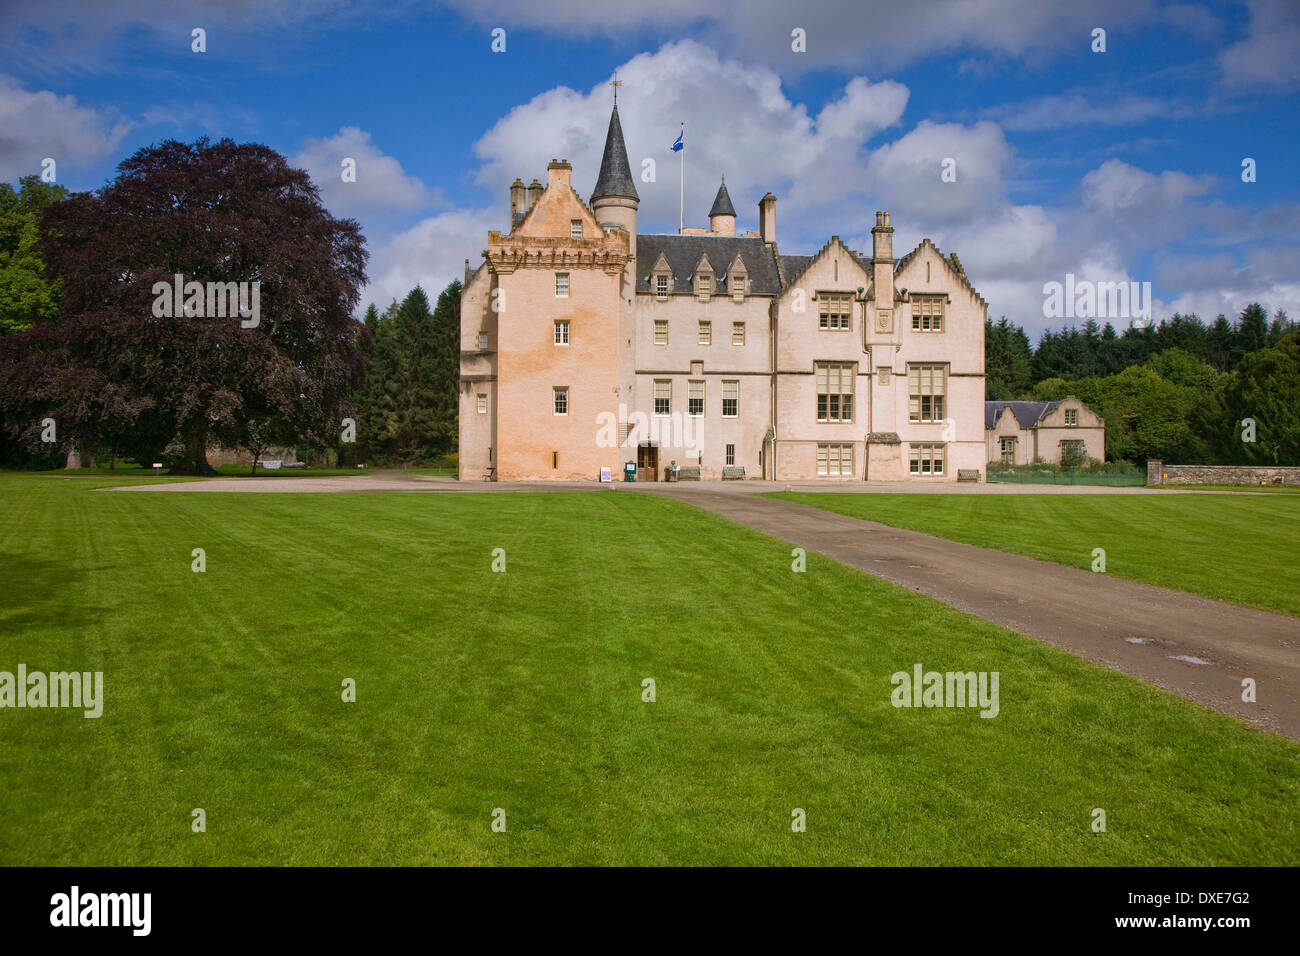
1158	473
218	456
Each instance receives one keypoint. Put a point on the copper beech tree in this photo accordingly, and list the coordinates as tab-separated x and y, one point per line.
259	345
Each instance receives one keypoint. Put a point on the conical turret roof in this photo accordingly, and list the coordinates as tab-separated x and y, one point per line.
722	203
615	177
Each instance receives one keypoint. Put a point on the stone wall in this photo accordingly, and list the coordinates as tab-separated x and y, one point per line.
218	456
1158	473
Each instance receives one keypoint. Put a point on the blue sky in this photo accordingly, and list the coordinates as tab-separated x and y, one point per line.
1123	164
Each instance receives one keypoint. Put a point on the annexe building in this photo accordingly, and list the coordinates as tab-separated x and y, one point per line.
1067	432
586	345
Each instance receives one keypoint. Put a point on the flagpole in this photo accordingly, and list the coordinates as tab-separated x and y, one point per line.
681	199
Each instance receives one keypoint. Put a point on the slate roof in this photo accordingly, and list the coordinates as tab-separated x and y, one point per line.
683	252
722	203
1028	414
795	266
615	177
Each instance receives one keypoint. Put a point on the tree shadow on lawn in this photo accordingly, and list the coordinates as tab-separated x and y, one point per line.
38	594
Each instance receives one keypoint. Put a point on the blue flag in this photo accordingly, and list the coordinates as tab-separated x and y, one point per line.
678	146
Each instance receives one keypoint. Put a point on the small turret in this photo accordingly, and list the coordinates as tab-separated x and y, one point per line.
615	200
722	217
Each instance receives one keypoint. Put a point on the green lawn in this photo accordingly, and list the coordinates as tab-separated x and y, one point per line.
522	690
1241	489
1239	548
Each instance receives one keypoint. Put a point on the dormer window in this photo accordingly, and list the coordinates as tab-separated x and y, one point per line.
737	279
661	277
703	285
575	228
1071	417
737	284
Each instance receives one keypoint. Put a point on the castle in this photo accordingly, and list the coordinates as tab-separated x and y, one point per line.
586	345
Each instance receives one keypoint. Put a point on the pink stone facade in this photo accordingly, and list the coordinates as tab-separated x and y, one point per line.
585	345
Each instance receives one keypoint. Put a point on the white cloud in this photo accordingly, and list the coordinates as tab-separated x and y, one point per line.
1116	187
1218	283
831	169
43	124
381	183
1084	109
1269	54
760	30
430	254
907	172
739	121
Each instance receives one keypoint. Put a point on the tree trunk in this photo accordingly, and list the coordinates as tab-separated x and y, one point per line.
79	457
195	461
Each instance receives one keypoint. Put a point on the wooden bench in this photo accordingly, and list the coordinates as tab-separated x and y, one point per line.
688	473
733	472
968	474
489	472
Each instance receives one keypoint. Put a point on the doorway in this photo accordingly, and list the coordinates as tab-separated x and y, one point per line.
647	462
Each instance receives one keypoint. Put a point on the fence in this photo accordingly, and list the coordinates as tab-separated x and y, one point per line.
1114	475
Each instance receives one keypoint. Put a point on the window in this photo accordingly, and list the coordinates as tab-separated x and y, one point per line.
1074	453
927	460
695	400
560	399
661	331
738	282
834	393
661	285
1072	417
730	399
575	228
555	459
731	455
927	313
706	333
835	461
737	333
482	341
704	285
562	285
482	404
835	309
663	396
926	385
1008	451
562	332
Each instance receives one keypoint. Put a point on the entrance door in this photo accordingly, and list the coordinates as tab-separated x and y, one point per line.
647	463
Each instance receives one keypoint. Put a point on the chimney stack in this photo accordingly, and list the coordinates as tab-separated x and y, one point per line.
882	239
534	193
767	218
517	207
558	171
882	261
